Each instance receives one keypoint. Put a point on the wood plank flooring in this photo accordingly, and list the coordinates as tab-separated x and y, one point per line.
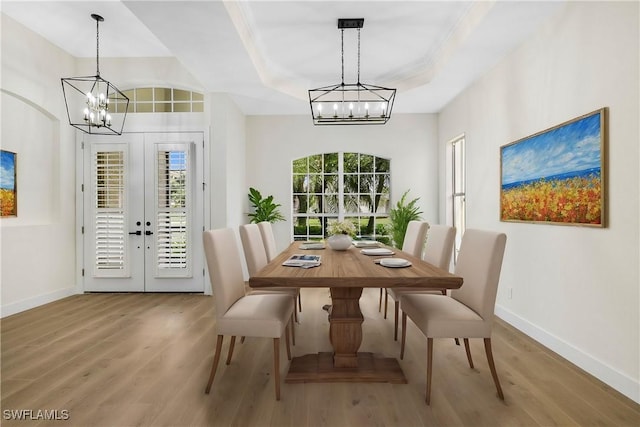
143	360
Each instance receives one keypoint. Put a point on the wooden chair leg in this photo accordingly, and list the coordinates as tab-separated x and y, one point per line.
395	321
404	334
468	350
276	365
293	330
380	301
300	301
242	340
295	312
457	341
492	366
286	339
230	353
214	367
429	368
386	300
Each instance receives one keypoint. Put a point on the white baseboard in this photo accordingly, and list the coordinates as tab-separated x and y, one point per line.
29	303
605	373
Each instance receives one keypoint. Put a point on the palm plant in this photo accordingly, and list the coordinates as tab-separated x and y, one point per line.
400	216
264	209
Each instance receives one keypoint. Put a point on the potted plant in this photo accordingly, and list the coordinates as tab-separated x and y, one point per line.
340	234
264	209
400	216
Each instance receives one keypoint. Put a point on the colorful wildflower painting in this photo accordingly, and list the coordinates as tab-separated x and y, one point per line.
8	190
557	175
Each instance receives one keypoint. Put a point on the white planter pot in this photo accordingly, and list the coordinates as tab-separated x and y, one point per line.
339	242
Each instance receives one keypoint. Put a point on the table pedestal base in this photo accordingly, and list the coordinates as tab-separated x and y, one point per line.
319	368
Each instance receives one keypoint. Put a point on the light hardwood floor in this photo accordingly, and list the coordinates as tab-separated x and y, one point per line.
143	360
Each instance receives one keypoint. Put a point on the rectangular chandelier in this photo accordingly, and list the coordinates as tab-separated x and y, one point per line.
357	104
351	103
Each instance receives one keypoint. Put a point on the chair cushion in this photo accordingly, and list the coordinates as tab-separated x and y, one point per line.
440	316
257	316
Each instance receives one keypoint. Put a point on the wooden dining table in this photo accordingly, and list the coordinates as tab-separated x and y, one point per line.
346	273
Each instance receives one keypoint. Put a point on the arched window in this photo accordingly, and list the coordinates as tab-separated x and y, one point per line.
341	186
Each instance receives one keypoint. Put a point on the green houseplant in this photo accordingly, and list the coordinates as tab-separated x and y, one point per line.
264	209
400	215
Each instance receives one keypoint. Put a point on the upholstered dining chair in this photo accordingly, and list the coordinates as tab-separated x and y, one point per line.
438	251
256	258
269	241
469	311
238	313
413	244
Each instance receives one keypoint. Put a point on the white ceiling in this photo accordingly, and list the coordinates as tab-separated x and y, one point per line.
267	54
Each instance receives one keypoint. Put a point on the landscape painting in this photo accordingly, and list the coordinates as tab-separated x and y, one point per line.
556	176
8	190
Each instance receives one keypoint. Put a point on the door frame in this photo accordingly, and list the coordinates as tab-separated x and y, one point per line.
82	196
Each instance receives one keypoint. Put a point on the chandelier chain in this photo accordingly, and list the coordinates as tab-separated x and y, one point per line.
342	44
358	55
97	48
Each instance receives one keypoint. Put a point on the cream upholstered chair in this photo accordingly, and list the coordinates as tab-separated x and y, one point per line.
256	258
239	314
413	244
468	312
269	241
438	251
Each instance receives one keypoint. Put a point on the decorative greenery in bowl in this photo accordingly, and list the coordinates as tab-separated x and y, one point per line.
341	227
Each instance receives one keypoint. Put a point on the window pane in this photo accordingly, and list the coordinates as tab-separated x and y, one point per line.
331	204
181	107
144	94
366	163
197	107
365	204
163	107
350	204
382	165
300	202
366	183
350	162
382	203
315	226
351	183
331	163
315	183
162	94
315	163
298	183
197	96
315	202
331	183
144	107
300	165
181	95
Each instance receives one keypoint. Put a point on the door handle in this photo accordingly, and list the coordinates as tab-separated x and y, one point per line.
148	233
137	233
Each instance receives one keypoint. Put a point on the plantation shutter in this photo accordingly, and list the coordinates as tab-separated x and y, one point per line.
109	200
173	200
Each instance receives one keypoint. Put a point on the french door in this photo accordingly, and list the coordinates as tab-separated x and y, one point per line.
143	213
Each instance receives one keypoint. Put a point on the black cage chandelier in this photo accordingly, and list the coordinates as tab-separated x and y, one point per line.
94	105
351	103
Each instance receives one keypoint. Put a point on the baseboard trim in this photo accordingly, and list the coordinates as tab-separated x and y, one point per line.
29	303
605	373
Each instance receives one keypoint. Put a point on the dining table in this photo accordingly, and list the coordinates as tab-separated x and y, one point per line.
346	273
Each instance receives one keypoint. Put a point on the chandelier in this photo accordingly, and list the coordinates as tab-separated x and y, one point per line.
91	101
351	103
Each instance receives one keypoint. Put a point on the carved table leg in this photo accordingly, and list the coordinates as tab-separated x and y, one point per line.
345	330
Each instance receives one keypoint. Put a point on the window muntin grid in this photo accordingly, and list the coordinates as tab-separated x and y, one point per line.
340	186
160	100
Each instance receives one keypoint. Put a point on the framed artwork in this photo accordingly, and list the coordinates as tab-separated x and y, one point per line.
557	176
8	184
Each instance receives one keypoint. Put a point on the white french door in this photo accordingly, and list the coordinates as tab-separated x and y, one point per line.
143	213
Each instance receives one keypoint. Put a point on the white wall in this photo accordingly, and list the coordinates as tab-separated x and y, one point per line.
38	248
575	289
409	140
